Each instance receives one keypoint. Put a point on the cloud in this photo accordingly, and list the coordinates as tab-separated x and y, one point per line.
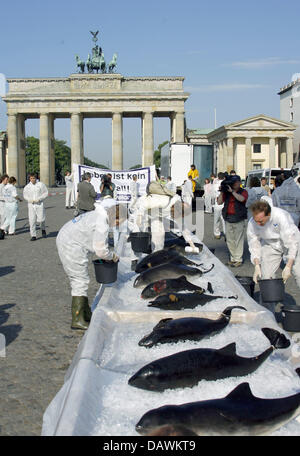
225	87
261	63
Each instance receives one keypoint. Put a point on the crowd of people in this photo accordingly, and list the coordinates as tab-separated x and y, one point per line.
269	217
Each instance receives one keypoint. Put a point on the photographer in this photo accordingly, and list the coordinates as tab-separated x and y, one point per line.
234	213
107	187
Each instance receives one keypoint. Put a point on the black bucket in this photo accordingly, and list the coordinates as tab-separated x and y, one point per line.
105	271
291	318
140	242
271	290
247	283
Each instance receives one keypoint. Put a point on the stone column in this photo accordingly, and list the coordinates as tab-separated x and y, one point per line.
76	138
172	127
117	141
148	142
282	152
179	127
248	153
220	164
1	157
13	146
289	153
272	155
52	151
229	154
45	163
22	161
224	148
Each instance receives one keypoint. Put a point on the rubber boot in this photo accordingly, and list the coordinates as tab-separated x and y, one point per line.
87	313
78	321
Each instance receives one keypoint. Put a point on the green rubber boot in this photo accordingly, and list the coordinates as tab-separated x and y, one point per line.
87	313
78	321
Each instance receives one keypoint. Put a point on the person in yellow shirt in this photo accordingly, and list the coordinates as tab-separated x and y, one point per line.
194	173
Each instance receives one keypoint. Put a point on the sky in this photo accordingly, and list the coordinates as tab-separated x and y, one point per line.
234	56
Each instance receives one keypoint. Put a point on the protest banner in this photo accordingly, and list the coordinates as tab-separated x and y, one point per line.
121	179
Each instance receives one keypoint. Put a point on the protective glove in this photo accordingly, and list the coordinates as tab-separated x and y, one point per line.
257	273
115	258
286	274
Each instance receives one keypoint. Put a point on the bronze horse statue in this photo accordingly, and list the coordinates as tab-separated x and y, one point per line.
80	63
112	64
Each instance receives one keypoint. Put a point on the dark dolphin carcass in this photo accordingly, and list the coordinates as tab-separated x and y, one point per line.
169	285
188	328
167	271
238	413
179	301
178	242
160	257
187	368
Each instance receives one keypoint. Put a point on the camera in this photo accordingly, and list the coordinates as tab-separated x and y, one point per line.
227	181
105	180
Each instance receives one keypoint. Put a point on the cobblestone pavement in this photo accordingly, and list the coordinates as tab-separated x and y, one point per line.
35	316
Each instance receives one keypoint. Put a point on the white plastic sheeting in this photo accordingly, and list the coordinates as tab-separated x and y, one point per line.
96	398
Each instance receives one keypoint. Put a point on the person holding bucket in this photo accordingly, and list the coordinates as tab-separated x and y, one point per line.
271	235
76	241
151	210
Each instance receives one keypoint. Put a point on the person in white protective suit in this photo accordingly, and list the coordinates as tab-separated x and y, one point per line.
272	235
171	185
35	193
10	206
134	192
187	191
76	241
208	196
3	182
70	196
287	197
219	222
151	210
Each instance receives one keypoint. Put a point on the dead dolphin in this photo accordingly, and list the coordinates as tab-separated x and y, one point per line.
179	301
238	413
187	368
168	285
160	257
178	242
188	328
167	271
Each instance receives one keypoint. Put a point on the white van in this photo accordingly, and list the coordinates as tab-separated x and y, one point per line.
268	173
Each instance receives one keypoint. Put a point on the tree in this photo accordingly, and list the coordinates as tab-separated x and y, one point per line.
135	167
62	157
157	154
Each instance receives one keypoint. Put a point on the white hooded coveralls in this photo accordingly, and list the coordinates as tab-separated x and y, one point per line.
287	197
187	192
2	202
9	194
35	194
70	197
77	240
269	243
219	222
160	206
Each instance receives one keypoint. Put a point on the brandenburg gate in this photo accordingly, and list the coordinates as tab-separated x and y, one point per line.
81	96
